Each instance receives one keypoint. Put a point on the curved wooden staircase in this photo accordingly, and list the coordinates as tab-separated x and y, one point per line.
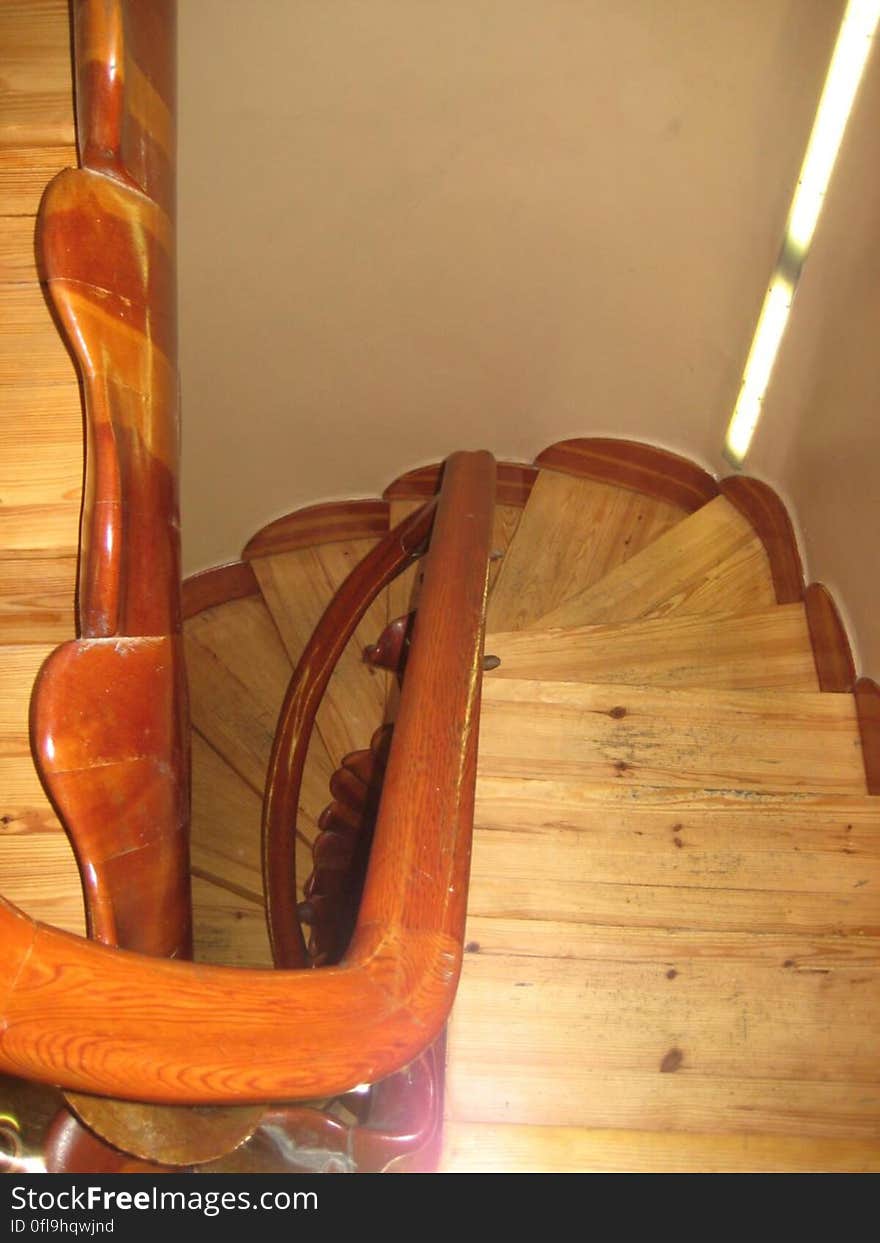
671	957
610	680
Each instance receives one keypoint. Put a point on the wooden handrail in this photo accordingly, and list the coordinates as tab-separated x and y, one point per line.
101	1020
296	721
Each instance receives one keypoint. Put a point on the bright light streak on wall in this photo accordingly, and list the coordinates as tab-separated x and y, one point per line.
854	41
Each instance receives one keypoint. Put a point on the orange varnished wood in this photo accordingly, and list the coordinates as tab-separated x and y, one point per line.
297	718
867	696
319	524
91	1018
513	483
630	464
831	651
217	586
108	734
758	502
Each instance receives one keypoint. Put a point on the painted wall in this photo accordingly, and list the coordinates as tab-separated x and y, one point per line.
819	437
408	227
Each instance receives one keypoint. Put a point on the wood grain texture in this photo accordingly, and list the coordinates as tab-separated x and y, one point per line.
487	1148
514	483
772	740
210	588
740	1034
644	468
25	172
710	562
354	1024
835	667
867	697
38	872
650	857
758	502
310	690
319	524
37	596
572	533
37	101
768	649
298	587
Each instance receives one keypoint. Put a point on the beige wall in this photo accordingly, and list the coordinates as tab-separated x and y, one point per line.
409	226
819	437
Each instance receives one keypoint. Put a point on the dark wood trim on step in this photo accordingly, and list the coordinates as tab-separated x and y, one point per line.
867	697
514	483
830	642
319	524
629	464
222	583
758	502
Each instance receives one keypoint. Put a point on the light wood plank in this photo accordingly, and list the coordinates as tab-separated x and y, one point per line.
711	562
572	852
297	587
487	1148
571	534
25	171
32	353
238	673
37	600
36	104
767	649
38	872
773	740
227	929
226	827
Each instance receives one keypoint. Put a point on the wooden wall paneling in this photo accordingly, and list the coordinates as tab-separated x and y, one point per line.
38	88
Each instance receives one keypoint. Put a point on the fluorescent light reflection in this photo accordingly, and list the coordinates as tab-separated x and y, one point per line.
844	74
762	356
848	62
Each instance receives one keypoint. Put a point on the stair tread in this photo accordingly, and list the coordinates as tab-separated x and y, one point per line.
571	534
238	673
710	562
658	735
297	587
488	1148
603	853
770	648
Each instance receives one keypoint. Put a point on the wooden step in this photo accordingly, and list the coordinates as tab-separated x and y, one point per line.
238	673
710	562
611	854
667	1030
571	534
297	587
767	649
488	1148
672	736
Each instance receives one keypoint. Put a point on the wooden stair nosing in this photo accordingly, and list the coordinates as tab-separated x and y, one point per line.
632	464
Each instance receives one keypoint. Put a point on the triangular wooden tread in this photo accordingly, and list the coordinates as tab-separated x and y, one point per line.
767	649
710	562
571	534
773	740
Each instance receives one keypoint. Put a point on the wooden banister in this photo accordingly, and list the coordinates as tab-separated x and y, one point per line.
297	719
101	1020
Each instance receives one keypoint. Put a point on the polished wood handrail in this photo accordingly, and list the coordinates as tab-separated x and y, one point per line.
96	1019
109	728
296	721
